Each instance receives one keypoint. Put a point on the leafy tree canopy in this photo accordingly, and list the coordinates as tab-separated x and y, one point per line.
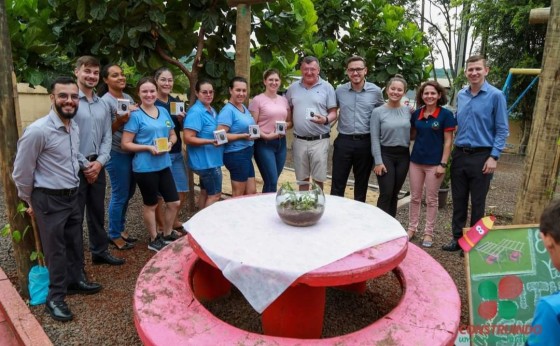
197	37
373	29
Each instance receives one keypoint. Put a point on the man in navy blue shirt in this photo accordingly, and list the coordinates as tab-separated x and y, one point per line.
482	129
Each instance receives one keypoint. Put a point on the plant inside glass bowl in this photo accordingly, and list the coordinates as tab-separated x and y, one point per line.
300	208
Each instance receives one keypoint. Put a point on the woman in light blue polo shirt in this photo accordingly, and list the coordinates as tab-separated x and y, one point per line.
151	165
432	128
205	157
235	119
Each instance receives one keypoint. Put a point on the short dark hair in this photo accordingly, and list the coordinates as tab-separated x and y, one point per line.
237	79
201	82
87	60
475	58
65	80
309	60
550	220
443	99
355	58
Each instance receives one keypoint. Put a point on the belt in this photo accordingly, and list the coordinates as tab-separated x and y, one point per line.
354	137
314	138
91	157
57	192
473	150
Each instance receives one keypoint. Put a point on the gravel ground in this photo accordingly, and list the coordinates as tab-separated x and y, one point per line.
107	319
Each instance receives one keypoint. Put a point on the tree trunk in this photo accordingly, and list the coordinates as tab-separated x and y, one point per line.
242	44
8	138
543	152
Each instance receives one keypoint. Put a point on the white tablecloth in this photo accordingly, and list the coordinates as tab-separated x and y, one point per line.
262	256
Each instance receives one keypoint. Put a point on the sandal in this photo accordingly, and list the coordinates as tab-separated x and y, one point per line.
121	244
410	235
128	238
181	230
428	241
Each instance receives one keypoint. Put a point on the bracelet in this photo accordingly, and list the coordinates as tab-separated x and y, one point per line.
326	120
443	164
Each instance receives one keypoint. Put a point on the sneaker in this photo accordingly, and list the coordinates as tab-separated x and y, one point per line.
156	244
174	235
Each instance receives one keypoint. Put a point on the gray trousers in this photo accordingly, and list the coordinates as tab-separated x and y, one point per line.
60	228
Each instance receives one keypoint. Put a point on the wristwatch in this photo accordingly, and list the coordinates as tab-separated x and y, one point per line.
326	120
494	157
443	164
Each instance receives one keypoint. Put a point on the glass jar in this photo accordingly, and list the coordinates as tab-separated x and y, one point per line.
300	208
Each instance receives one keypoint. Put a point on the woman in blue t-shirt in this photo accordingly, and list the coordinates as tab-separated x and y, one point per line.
164	80
149	135
432	129
235	119
205	157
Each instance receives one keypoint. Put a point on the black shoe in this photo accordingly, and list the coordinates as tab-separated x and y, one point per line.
58	310
83	287
451	246
106	258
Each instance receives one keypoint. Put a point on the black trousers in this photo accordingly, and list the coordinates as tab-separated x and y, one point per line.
91	198
467	179
396	161
352	154
60	228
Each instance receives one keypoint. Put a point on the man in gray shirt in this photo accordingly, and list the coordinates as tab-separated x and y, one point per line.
352	147
313	103
46	176
94	120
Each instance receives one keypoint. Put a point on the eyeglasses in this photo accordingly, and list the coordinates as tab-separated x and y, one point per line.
207	92
64	96
354	70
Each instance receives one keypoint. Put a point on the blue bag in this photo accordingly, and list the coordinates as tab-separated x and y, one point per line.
38	285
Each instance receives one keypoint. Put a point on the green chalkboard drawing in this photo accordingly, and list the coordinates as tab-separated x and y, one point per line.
508	271
511	255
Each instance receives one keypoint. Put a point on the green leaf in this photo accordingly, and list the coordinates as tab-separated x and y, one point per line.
33	77
25	232
21	208
81	10
212	68
98	11
116	33
16	236
33	255
5	230
392	69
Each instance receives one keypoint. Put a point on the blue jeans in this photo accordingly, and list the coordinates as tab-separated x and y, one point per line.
123	186
179	171
210	180
270	157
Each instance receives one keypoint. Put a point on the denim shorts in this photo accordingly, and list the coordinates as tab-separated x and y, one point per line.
210	180
240	164
179	172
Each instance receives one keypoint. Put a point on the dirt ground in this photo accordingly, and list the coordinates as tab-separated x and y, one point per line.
107	318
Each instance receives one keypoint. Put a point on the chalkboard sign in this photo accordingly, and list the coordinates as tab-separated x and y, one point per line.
507	272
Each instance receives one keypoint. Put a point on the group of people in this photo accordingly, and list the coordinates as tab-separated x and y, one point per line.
60	182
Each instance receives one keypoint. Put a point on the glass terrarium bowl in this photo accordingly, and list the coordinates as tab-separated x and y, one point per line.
300	208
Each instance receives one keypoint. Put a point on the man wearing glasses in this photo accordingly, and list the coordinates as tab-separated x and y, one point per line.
46	176
352	147
313	103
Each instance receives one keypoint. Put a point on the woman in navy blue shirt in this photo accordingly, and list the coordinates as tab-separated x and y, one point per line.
432	129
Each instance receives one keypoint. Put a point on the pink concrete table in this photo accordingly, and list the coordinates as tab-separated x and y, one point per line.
298	312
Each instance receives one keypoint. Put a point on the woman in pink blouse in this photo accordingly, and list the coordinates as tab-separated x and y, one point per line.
272	113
